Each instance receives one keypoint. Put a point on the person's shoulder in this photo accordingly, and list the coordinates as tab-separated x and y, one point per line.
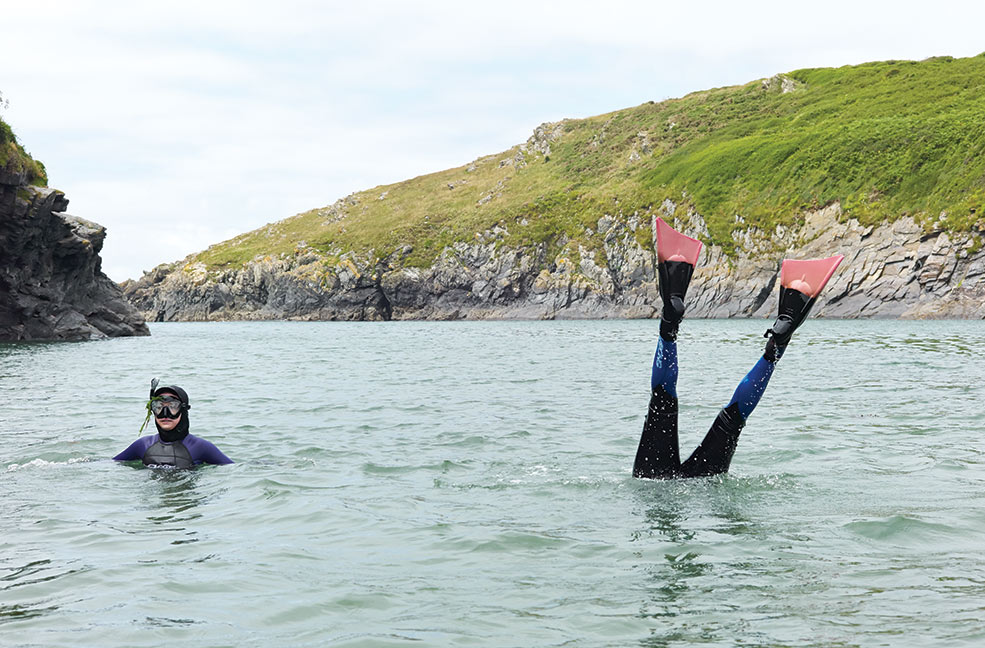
199	444
136	449
147	441
204	450
191	439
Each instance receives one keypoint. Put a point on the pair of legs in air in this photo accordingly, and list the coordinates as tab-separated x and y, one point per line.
658	456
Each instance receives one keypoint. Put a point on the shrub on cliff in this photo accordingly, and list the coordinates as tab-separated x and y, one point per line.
14	160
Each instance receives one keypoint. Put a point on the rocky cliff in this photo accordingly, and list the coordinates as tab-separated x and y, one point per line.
51	284
894	270
875	161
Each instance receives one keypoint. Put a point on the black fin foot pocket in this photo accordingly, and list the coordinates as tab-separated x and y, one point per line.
794	308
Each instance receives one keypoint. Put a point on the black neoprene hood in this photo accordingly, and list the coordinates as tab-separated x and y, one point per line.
177	391
181	430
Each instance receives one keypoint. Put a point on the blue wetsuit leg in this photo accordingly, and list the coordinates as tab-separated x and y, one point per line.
658	455
714	455
664	373
751	389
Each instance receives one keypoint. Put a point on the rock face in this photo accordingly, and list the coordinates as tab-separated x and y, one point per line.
895	270
51	285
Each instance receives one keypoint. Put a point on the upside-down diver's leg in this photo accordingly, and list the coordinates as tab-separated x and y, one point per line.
658	455
714	454
800	284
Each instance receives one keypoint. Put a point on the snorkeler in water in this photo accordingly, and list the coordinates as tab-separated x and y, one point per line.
172	445
658	456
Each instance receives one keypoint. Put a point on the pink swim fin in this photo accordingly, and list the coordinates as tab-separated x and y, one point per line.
800	284
676	257
674	246
810	276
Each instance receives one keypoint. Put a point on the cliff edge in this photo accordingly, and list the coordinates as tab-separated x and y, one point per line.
51	283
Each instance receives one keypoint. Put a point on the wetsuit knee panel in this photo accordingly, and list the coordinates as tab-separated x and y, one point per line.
714	455
662	401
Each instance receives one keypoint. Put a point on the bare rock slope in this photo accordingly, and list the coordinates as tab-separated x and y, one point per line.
51	283
893	270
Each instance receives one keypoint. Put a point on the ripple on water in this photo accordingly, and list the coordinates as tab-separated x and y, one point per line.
475	496
904	530
442	467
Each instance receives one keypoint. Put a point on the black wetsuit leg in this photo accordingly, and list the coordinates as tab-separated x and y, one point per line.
714	454
658	455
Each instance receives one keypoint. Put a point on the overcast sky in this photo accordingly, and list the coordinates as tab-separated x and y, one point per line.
181	124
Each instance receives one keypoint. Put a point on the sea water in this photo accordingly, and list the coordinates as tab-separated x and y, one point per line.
468	484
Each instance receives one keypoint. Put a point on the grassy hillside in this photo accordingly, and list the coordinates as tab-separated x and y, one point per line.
885	139
14	159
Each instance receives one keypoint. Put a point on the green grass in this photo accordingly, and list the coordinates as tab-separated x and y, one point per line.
14	159
884	139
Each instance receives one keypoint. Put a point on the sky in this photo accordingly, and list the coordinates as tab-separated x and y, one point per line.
181	124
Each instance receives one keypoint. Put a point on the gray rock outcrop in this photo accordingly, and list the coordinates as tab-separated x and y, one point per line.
51	283
893	270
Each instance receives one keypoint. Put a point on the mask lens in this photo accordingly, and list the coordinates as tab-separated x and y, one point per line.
166	406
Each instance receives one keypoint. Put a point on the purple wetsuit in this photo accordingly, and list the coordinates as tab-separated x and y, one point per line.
200	450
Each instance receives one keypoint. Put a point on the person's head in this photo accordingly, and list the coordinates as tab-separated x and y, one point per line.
170	406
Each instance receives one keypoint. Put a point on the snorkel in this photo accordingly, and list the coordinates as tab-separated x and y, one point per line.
153	386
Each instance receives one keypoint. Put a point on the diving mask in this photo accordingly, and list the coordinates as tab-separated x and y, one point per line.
166	407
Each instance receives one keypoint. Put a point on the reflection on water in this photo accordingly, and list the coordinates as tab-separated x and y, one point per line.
697	531
675	562
172	500
11	613
665	510
29	575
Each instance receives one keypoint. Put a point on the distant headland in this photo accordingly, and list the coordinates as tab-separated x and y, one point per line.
881	162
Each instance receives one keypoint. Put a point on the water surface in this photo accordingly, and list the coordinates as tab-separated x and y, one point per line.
468	484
